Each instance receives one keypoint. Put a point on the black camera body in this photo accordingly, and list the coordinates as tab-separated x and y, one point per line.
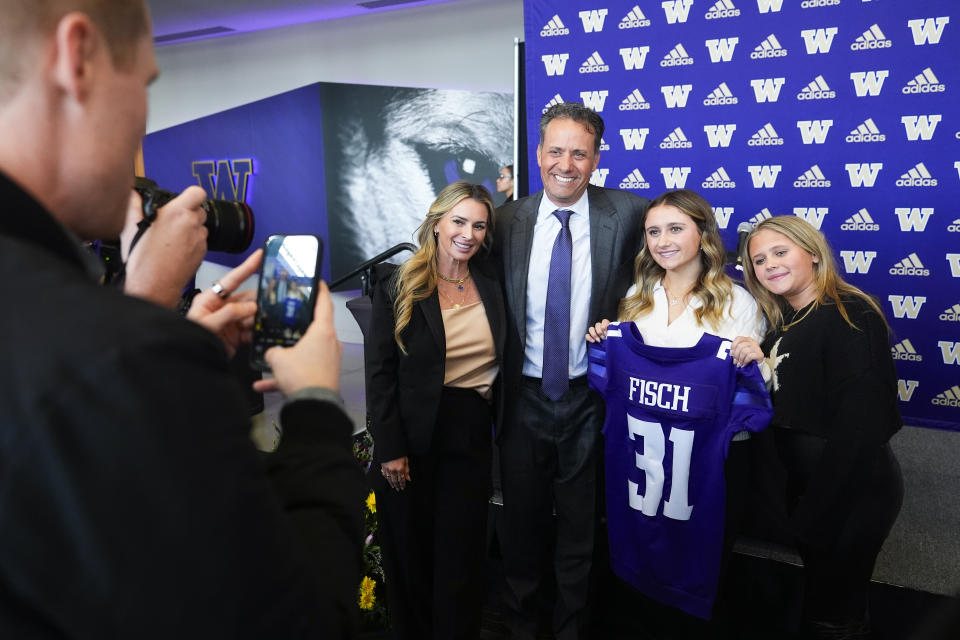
229	223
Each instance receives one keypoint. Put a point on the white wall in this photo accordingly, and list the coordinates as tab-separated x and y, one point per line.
467	44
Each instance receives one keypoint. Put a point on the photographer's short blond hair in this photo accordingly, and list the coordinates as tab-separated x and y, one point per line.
26	23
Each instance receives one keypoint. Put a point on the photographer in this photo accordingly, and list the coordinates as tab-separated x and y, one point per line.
133	503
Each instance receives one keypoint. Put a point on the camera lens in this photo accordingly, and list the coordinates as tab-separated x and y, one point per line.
230	225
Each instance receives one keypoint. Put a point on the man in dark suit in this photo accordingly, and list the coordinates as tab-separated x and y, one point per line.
567	256
133	502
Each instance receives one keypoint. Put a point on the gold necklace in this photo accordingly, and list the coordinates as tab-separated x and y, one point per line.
457	281
462	296
674	301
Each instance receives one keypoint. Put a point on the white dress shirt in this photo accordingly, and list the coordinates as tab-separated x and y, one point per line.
581	272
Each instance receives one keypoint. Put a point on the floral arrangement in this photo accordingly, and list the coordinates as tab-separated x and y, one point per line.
371	594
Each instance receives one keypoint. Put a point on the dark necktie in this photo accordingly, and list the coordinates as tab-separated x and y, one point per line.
556	319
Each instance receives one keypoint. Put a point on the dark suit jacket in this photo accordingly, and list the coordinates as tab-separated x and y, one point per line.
615	240
132	501
403	390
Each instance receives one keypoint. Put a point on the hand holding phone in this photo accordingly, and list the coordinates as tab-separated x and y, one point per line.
286	294
314	361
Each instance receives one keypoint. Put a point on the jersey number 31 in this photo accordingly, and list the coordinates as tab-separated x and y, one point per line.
651	463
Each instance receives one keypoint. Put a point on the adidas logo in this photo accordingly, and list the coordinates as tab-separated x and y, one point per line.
954	226
678	57
603	145
720	95
676	140
722	9
917	177
949	398
951	314
634	102
812	178
812	4
769	48
760	217
818	89
634	181
904	351
872	38
866	132
925	82
557	99
594	64
860	221
554	27
766	137
719	180
634	19
909	266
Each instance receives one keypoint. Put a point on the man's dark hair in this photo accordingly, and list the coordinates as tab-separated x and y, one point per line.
578	113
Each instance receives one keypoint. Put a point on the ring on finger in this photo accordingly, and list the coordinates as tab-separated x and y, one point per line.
218	289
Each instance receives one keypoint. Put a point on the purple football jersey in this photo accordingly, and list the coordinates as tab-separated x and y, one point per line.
670	416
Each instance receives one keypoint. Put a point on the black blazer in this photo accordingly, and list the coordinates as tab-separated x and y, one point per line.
615	240
403	390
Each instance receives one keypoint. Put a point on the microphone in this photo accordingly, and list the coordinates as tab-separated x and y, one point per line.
743	230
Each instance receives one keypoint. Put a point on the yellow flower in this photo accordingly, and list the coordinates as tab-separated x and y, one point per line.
367	599
372	502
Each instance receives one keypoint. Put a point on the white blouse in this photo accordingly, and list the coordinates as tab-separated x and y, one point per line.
739	319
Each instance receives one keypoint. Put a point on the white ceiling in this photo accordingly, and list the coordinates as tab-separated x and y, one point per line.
174	20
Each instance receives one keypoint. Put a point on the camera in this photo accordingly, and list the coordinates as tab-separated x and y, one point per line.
229	223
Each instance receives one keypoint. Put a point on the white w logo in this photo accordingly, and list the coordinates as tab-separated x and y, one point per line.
721	50
634	58
767	89
594	99
950	351
593	20
722	214
906	306
633	139
920	126
818	40
764	176
813	215
905	389
676	10
914	219
954	260
555	63
718	135
676	95
769	5
814	131
863	174
675	177
868	82
857	261
599	177
927	30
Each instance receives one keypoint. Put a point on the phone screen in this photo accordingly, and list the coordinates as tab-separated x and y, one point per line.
286	295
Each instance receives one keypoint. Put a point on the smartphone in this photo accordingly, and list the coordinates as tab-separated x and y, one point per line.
286	293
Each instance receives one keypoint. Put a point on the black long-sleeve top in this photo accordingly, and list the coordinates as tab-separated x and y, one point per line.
837	382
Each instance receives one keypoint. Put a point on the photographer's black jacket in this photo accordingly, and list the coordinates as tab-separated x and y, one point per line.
132	501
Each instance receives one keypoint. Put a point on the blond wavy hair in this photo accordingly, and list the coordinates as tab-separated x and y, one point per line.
416	278
713	287
831	288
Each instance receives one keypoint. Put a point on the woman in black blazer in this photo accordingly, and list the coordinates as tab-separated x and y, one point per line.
433	355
